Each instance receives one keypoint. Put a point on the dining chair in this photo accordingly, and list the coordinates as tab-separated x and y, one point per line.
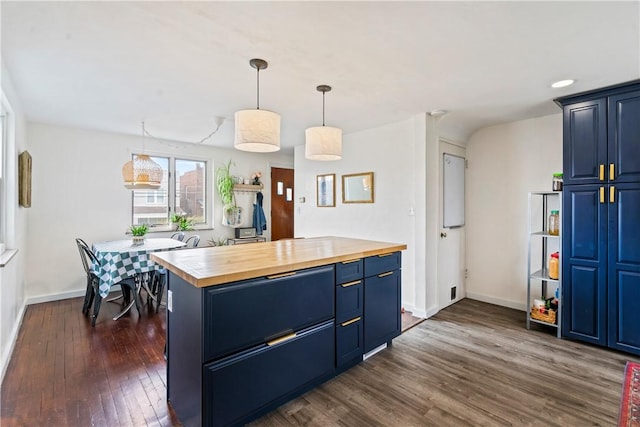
178	236
192	242
82	244
129	287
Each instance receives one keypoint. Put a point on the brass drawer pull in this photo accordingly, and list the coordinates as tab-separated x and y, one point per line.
355	282
348	322
277	276
388	273
601	172
384	255
351	261
612	174
601	194
612	194
282	339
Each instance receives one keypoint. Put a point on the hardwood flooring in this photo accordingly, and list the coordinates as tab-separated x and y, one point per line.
473	364
408	320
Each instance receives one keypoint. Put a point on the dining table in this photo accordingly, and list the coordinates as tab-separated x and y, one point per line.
122	259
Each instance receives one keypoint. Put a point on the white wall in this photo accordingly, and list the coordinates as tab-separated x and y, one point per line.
77	192
390	152
12	277
505	163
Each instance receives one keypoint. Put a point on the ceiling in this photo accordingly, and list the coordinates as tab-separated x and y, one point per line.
183	67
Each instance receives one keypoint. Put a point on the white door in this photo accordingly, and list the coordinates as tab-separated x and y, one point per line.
451	245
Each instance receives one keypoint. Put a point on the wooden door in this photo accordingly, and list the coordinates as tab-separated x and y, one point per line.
281	203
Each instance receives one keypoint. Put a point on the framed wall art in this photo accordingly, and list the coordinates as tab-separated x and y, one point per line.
326	190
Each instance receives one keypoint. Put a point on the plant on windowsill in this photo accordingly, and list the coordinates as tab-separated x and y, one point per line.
220	241
231	212
138	232
182	222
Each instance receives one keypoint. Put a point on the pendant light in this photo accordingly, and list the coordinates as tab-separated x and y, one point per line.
142	173
257	130
323	142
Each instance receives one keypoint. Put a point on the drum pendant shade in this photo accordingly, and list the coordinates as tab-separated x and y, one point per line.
323	142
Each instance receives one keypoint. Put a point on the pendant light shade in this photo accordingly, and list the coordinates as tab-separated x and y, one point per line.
257	130
142	173
323	142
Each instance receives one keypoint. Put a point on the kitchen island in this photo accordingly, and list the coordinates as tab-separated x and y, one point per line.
250	327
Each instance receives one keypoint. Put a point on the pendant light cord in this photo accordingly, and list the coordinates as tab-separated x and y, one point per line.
258	89
323	108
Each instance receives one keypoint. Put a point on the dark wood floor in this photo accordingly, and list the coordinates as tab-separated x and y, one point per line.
472	364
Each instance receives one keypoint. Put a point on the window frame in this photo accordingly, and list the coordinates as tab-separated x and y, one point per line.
171	189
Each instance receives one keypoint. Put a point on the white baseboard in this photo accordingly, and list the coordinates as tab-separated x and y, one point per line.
54	297
6	357
516	305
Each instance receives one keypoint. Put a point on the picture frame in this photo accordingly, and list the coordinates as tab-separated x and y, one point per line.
24	179
326	190
357	188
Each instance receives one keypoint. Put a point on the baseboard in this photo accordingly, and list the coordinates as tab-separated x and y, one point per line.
54	297
12	341
497	301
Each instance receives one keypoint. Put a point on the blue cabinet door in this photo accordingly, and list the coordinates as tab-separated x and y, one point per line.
381	309
585	142
624	267
584	263
624	137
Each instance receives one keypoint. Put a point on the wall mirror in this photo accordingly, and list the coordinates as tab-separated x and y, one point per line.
357	188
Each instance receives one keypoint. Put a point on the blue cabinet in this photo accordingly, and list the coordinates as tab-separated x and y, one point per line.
349	312
382	300
584	264
601	218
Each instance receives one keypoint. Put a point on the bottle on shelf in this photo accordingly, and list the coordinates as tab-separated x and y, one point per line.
554	265
556	183
554	223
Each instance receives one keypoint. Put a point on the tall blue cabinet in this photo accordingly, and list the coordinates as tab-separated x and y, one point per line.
601	217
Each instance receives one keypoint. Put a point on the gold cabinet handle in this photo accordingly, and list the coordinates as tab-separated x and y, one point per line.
350	261
384	255
277	276
612	174
348	322
355	282
282	339
601	172
388	273
601	194
612	194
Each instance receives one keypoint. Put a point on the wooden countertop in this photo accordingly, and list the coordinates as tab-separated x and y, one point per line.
223	264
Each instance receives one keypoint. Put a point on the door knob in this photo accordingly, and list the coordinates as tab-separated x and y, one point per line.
443	234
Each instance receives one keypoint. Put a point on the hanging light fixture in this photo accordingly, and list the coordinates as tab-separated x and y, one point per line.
257	130
323	142
142	173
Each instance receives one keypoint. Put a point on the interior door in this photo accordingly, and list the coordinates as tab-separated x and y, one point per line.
281	203
451	246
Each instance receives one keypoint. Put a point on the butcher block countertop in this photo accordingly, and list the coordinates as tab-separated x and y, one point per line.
218	265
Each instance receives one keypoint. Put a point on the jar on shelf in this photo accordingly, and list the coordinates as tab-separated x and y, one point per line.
554	223
554	265
556	183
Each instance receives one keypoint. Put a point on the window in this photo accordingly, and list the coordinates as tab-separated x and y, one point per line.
3	155
183	191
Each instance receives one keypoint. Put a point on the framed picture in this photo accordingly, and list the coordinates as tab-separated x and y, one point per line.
357	188
326	190
24	179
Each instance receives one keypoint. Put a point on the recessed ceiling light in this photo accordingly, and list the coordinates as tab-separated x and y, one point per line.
562	83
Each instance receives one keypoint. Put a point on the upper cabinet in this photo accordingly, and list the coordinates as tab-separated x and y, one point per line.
600	131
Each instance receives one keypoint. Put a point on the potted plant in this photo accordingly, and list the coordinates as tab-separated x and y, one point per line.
138	232
231	213
182	222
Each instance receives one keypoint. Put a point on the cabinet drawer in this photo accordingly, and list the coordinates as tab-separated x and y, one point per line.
381	263
239	386
382	309
349	300
349	341
244	314
347	271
